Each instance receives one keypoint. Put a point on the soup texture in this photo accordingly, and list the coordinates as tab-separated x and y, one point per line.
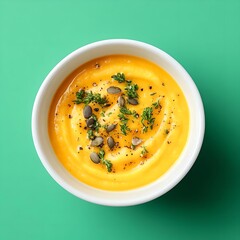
118	122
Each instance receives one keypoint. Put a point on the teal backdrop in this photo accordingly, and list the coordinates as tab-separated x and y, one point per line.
204	36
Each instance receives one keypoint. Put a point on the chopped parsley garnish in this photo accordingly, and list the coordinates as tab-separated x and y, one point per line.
144	151
124	128
102	113
131	90
123	118
105	162
80	96
105	126
90	134
126	111
157	104
96	124
147	116
120	77
108	164
88	97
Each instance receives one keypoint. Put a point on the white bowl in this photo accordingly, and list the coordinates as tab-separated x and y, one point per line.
120	198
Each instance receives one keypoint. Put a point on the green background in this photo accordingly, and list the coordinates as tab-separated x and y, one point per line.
203	36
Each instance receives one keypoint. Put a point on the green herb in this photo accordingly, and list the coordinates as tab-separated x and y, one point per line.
88	97
133	146
108	164
95	97
144	151
153	93
147	117
131	90
90	134
120	77
156	104
80	96
123	118
167	131
145	129
105	126
96	124
109	114
101	154
102	113
124	128
105	162
125	110
135	114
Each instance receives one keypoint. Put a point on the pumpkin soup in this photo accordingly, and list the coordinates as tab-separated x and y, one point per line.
118	122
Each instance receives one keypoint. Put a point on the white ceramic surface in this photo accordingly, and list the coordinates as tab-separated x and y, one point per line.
121	198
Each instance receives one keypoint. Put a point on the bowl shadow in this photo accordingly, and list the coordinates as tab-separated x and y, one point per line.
207	181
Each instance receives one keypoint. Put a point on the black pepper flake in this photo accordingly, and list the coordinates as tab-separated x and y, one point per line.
141	89
96	109
85	128
80	148
97	65
69	116
69	105
150	87
163	84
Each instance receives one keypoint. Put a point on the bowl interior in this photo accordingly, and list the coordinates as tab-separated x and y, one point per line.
87	53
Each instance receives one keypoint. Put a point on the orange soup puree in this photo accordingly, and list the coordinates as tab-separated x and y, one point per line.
144	104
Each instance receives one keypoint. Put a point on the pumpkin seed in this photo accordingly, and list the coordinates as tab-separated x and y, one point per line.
133	101
114	90
111	143
136	141
94	157
121	101
96	142
90	122
87	111
111	127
